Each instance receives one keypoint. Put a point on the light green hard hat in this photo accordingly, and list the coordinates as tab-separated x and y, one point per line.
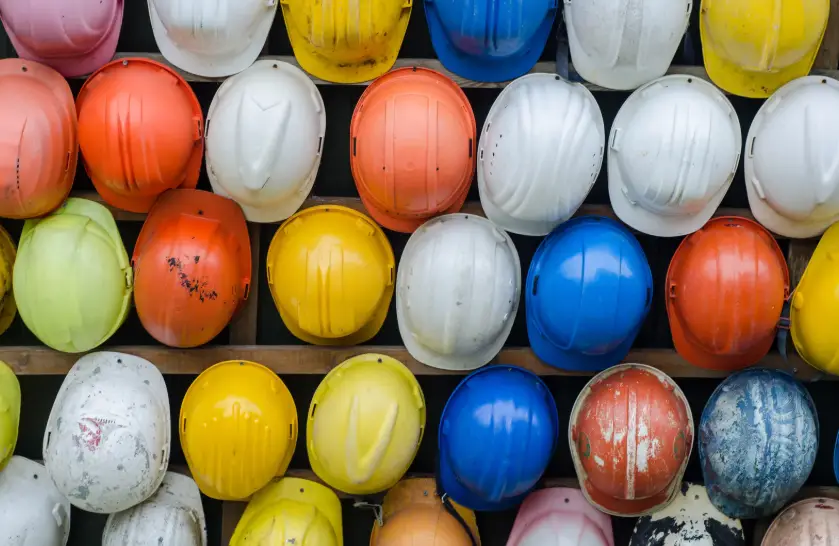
9	413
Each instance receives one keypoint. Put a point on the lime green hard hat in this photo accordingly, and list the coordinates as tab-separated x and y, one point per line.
9	413
8	309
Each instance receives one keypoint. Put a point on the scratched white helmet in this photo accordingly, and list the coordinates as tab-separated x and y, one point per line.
32	511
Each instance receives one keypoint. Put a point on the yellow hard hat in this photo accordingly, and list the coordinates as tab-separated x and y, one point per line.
238	429
331	274
753	47
365	424
346	42
9	413
291	511
8	309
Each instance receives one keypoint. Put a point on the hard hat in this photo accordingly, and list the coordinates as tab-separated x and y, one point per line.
238	429
810	522
73	37
72	278
173	516
343	41
192	267
331	274
673	150
560	516
539	175
107	440
421	167
140	131
32	511
40	148
489	41
758	439
631	435
365	424
9	413
265	147
209	39
458	288
8	307
291	511
618	44
588	291
748	52
498	432
791	181
725	290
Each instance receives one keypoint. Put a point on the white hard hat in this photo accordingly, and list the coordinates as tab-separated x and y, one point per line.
539	175
32	511
792	158
264	137
106	445
673	150
457	291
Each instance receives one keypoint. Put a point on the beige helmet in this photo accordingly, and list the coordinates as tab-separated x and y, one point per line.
810	522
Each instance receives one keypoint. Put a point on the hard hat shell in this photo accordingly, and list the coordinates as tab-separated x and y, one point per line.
809	522
510	409
74	37
458	289
346	42
421	167
597	264
267	140
140	131
32	511
673	150
192	267
238	429
331	274
72	278
173	516
107	440
725	290
748	53
38	165
538	176
560	516
8	307
375	405
9	413
489	41
758	439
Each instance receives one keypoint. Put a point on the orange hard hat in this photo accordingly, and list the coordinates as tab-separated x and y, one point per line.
192	267
412	147
141	132
726	287
38	143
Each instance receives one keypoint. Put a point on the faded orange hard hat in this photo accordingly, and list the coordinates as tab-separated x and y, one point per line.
726	287
140	131
38	143
412	147
192	267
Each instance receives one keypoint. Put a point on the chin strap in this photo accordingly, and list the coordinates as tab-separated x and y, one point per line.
782	336
562	54
447	504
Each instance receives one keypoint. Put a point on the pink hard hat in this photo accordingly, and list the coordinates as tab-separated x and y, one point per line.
548	515
74	37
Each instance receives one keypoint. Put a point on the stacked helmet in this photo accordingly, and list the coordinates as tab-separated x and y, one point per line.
140	131
192	267
758	439
238	429
331	274
74	38
560	516
365	424
346	42
588	291
265	146
498	432
539	175
810	522
107	440
422	166
72	278
458	287
631	435
9	413
32	511
725	291
619	44
673	150
791	178
749	52
40	146
8	307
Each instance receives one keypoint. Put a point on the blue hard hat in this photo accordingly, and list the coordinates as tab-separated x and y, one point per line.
497	435
758	439
588	291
